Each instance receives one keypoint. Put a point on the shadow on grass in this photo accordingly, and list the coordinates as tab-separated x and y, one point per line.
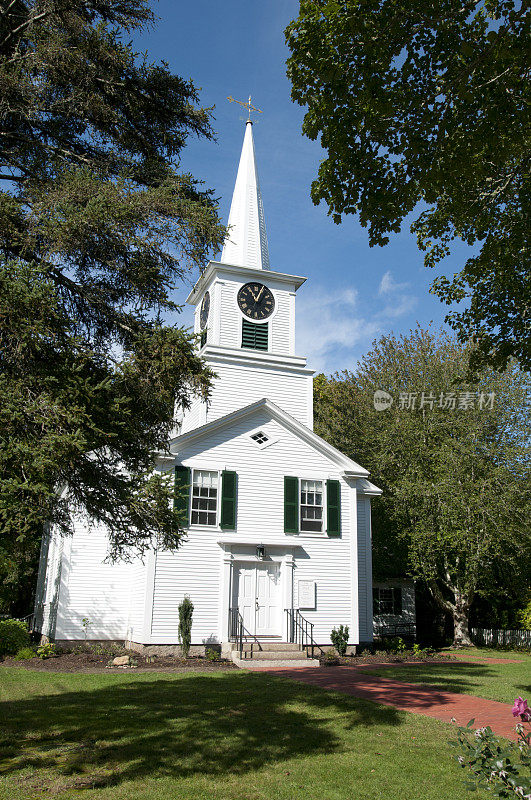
230	723
448	677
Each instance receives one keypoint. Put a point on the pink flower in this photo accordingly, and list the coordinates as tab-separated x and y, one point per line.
520	709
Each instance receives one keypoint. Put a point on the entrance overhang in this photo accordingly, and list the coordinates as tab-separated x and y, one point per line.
235	550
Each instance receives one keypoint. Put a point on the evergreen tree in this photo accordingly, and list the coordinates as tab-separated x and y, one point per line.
97	225
186	611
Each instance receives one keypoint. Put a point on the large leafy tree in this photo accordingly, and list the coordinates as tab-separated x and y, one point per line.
97	225
427	101
452	458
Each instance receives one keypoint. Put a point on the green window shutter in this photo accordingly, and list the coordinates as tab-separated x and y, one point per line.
375	601
291	505
255	336
229	482
181	502
333	508
203	338
397	600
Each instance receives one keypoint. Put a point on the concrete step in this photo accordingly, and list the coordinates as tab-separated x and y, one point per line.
253	664
275	655
279	647
276	647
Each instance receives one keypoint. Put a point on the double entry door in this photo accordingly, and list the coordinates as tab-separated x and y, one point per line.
256	593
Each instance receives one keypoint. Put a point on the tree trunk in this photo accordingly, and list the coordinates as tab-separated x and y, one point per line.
458	609
460	619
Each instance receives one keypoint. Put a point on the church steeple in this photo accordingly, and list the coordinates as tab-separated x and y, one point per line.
245	314
246	243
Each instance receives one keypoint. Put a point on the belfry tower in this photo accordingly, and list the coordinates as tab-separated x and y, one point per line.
245	315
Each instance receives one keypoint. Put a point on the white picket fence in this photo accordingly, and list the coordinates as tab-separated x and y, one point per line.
493	637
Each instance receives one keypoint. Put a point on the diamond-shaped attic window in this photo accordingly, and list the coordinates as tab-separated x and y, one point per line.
259	437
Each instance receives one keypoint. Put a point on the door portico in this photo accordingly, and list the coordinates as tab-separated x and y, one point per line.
271	580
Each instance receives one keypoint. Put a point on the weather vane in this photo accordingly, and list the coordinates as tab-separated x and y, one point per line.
248	105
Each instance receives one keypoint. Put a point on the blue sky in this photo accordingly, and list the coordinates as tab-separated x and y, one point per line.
354	293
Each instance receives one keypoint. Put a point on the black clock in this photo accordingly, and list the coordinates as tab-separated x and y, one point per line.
256	301
205	308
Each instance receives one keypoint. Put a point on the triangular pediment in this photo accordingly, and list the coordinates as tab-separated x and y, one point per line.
345	464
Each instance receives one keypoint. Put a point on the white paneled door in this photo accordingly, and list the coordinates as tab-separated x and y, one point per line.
258	597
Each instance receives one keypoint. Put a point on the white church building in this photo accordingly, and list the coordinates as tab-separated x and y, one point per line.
278	546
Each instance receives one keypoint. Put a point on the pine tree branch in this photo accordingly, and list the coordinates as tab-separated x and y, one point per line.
24	25
18	178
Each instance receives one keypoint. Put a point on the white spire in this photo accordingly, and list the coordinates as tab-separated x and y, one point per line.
246	243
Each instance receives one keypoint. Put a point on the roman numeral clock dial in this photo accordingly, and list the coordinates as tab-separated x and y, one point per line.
256	301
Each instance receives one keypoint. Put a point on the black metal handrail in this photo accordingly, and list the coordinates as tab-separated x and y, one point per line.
236	629
238	632
300	630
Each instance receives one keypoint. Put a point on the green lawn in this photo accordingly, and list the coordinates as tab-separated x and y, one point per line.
486	652
501	682
224	736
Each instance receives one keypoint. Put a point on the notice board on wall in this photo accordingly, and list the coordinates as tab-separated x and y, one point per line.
306	594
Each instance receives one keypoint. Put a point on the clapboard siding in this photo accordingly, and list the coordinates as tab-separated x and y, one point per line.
230	324
118	599
193	417
260	480
280	325
193	570
364	570
93	590
239	385
329	565
408	615
230	318
137	606
49	581
196	568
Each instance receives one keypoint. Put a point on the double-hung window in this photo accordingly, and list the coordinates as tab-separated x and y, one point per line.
311	506
204	497
387	600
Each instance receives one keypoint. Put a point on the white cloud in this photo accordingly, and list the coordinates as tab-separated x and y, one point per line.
334	330
401	305
388	285
400	299
330	330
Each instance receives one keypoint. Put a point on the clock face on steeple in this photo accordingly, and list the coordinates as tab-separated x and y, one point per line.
205	308
256	301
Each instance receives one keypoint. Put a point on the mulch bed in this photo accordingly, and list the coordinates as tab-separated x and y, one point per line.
88	662
91	663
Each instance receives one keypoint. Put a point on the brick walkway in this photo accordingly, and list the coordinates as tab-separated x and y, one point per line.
412	697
